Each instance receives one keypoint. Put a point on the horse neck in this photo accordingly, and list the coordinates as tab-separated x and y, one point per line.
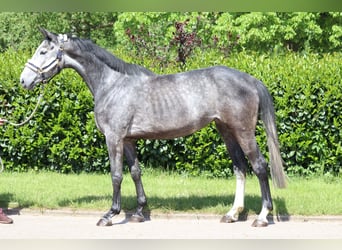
92	71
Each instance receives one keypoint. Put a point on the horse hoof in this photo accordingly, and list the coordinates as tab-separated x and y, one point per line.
227	219
104	223
137	218
259	223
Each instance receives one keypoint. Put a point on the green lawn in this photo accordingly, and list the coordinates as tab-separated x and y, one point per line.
166	193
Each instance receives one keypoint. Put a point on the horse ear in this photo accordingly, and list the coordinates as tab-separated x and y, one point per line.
48	35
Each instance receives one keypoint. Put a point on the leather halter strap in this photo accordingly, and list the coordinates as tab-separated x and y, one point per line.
41	71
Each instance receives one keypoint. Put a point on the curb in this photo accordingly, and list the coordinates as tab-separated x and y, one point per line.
183	216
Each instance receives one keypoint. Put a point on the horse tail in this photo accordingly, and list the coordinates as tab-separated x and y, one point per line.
267	115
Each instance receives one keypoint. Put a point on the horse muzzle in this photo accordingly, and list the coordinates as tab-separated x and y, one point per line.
28	82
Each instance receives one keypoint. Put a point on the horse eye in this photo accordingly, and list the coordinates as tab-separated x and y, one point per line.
43	52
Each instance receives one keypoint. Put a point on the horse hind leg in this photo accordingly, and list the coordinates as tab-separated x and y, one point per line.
133	164
238	205
240	167
249	146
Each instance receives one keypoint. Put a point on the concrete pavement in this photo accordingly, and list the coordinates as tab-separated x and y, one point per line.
82	225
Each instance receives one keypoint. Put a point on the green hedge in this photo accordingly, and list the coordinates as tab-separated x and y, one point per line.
62	136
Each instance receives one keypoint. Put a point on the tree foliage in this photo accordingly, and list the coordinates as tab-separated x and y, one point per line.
258	31
19	31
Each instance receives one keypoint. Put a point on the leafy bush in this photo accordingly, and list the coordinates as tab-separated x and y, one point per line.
63	137
307	91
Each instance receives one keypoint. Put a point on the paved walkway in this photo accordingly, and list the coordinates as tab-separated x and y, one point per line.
71	225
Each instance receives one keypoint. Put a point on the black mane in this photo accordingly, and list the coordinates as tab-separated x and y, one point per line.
109	59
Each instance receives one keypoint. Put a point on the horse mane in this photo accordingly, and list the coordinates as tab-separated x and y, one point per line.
109	59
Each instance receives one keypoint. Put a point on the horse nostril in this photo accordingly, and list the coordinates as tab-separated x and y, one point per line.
22	81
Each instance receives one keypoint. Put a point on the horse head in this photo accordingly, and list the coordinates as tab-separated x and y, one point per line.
46	62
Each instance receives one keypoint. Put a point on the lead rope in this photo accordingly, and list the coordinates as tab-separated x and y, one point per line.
24	122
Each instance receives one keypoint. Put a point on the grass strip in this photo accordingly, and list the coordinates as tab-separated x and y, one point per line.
167	193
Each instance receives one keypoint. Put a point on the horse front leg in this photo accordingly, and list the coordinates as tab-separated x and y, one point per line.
133	164
115	152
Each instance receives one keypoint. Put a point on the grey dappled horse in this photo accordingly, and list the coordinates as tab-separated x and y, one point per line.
132	102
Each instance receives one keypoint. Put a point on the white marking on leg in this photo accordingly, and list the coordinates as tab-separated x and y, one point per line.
239	196
263	214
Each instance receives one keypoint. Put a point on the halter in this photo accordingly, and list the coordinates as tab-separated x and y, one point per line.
41	71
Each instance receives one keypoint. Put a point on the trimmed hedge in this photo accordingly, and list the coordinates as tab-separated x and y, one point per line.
62	136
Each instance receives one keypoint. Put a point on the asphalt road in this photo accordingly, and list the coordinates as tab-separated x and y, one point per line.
71	225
